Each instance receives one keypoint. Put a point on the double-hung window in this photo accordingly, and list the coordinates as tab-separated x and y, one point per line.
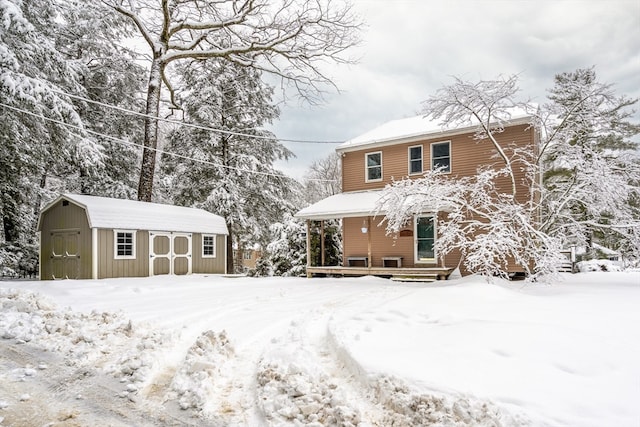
208	246
415	159
441	156
374	166
125	244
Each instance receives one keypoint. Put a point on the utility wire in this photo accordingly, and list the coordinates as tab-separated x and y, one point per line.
157	150
181	123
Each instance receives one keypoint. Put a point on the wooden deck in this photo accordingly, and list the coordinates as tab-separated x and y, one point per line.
433	273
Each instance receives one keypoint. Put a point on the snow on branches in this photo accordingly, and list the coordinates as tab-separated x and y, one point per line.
582	177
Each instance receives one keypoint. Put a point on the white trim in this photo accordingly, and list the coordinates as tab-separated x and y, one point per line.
214	246
434	217
366	167
450	156
409	159
94	253
226	237
40	255
133	244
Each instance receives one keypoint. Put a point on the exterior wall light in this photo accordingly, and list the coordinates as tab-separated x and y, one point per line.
364	227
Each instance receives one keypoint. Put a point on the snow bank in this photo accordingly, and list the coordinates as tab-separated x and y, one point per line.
359	352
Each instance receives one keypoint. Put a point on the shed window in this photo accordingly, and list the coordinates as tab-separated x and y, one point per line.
374	166
415	159
125	244
208	246
441	156
246	255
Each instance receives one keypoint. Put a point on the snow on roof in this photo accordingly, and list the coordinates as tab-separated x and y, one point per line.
342	205
104	212
417	127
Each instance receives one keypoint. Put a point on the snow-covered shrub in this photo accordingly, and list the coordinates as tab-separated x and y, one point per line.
287	251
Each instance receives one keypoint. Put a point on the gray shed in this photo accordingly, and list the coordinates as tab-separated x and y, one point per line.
88	237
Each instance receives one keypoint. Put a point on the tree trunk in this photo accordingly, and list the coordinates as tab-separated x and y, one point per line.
147	168
230	251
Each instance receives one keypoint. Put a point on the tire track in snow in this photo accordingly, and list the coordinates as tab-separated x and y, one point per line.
58	394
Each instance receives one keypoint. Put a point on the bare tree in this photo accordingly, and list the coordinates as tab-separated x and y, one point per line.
287	38
323	179
581	179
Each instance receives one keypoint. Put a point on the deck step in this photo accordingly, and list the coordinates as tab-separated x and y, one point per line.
415	278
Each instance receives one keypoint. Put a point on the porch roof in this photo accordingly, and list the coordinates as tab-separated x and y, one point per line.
342	205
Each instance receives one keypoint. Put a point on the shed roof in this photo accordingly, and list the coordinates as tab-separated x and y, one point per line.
105	212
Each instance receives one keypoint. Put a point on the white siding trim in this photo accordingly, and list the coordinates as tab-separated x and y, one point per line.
94	253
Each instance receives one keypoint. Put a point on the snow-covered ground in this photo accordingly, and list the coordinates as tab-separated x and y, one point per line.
213	350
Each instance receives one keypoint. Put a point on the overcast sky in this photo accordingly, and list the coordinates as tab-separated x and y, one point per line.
410	48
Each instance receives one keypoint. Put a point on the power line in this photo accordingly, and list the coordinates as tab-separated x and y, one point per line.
193	125
157	150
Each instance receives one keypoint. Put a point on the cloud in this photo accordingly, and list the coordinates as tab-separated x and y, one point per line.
412	48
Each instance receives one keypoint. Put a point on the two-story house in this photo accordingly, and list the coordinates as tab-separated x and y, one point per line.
396	150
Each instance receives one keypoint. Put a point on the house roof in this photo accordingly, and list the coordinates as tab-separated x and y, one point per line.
417	128
104	212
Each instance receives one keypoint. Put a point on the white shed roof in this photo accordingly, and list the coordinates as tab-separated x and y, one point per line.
342	205
104	212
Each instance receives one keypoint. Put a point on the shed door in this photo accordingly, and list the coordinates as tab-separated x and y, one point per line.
65	254
170	253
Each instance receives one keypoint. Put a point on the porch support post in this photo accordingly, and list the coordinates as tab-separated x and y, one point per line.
369	241
308	246
322	242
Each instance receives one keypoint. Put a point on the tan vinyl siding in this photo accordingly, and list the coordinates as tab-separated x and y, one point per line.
69	219
466	154
402	244
208	265
109	267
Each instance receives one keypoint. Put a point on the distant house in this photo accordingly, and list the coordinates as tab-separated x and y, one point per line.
247	257
405	148
88	237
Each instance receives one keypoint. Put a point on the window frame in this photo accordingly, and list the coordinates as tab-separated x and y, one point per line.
213	245
433	166
434	218
367	167
132	244
410	160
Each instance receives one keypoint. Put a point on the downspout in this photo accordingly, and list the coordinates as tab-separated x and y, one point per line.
94	253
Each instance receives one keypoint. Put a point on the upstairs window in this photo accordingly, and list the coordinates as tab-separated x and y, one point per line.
415	159
208	246
441	156
374	166
125	244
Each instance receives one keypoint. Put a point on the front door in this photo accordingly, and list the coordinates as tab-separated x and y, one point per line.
169	253
425	232
64	258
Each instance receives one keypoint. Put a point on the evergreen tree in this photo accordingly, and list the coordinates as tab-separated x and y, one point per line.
51	52
591	163
232	172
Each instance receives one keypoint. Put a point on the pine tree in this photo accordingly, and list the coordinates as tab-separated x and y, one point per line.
592	168
232	173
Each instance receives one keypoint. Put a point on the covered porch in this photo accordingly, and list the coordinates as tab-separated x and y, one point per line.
367	249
